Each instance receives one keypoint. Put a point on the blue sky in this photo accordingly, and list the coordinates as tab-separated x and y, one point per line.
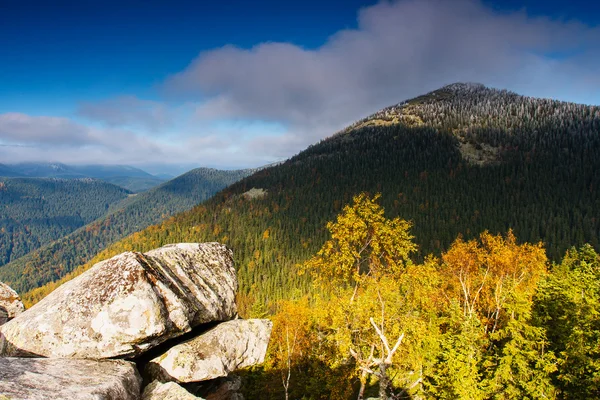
240	83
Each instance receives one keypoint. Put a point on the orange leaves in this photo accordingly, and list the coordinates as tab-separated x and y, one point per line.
494	276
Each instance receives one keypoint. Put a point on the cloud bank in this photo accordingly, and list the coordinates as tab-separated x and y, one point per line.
398	50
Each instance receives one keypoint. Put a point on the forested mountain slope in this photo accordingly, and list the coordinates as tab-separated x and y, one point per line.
36	211
456	161
135	213
134	184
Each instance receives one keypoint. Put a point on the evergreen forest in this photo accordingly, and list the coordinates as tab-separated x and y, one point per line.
133	214
36	211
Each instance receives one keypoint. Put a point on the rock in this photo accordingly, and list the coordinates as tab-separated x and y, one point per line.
47	379
128	304
227	347
10	304
167	391
218	389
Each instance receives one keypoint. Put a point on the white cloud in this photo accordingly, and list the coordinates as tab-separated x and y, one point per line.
399	50
17	128
129	111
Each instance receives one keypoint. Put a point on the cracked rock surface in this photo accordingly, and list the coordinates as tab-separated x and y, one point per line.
167	391
50	379
227	347
128	304
10	303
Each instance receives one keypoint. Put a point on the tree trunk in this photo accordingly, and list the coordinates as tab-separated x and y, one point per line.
384	382
363	383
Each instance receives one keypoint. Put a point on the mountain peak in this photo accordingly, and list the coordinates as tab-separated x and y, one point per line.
464	87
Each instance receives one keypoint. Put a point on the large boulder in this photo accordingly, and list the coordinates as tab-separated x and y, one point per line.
166	391
128	304
48	379
225	348
10	304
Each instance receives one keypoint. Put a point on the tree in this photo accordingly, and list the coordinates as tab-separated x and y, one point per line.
378	302
493	281
291	339
568	307
363	244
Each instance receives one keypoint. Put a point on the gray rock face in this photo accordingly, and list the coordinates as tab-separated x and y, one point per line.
167	391
227	347
128	304
48	379
10	304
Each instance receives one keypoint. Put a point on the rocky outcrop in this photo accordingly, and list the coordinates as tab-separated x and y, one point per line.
128	304
48	379
167	391
164	301
10	304
227	347
228	388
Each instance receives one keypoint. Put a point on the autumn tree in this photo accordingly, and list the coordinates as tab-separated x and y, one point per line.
492	281
363	244
373	295
291	339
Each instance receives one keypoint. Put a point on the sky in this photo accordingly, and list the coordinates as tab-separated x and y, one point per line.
172	85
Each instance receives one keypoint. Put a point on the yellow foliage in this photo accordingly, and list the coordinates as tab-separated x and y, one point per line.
363	243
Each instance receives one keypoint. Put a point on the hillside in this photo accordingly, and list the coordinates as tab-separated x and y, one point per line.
456	161
36	211
133	214
134	184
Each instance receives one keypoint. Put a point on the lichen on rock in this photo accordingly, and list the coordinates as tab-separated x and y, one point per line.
128	304
227	347
10	304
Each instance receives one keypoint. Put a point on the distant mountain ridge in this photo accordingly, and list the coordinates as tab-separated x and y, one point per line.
133	214
7	171
59	170
455	161
128	177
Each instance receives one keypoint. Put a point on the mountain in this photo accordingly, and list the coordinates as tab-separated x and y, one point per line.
456	161
133	214
36	211
7	171
130	178
58	170
45	170
110	171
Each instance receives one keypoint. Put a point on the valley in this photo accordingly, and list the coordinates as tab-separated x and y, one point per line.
58	256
